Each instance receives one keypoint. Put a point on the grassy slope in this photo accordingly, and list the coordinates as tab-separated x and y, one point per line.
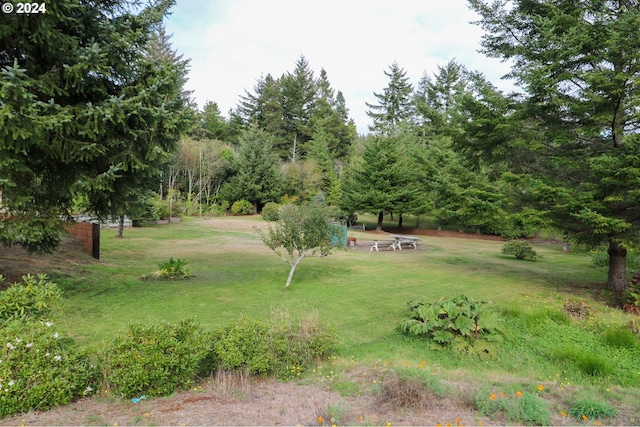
362	293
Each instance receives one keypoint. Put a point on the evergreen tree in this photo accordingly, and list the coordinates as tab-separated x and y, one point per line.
383	181
437	100
294	109
142	153
342	110
327	123
211	124
298	100
578	63
80	107
394	103
264	109
258	179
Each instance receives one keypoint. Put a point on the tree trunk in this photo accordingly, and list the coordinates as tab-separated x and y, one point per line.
293	270
617	280
400	221
255	207
120	226
380	218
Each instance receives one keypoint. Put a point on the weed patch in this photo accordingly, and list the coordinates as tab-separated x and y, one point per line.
620	337
577	309
591	365
520	407
409	389
589	409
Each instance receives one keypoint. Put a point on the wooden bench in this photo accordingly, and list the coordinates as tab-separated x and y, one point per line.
383	244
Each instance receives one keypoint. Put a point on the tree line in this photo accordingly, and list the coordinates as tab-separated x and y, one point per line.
97	119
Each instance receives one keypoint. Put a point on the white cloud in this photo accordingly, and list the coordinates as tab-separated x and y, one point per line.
232	43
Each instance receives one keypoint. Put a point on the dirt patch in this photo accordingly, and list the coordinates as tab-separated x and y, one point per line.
241	224
15	262
258	402
262	402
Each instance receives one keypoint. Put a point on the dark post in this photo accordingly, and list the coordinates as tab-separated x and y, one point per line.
95	247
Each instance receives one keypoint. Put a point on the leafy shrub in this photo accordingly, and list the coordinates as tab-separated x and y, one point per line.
459	322
163	207
289	200
589	409
241	207
270	211
520	249
146	209
244	345
170	270
281	346
219	209
33	299
155	360
40	368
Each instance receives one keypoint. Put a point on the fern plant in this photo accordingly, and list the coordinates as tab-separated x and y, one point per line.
170	270
459	323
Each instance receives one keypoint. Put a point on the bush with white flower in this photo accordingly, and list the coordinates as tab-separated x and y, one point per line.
40	368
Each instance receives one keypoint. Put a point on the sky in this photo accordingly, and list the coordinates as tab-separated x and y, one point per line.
232	43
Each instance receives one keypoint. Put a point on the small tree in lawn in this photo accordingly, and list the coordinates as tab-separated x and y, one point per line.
300	231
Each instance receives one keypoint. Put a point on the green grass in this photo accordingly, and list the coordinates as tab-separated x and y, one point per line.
361	292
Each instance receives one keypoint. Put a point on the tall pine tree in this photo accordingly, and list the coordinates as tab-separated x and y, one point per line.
77	96
394	103
578	63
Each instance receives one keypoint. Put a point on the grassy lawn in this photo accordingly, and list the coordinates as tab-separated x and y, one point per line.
543	352
363	293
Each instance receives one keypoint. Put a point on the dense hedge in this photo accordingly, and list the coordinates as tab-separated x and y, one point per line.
41	368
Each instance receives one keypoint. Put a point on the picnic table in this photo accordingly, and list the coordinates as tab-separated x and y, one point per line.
395	242
405	240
